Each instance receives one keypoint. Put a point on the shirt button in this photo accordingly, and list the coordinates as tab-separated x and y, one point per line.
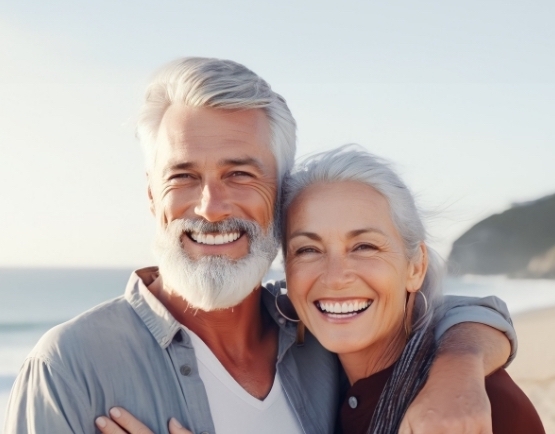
281	320
185	370
353	402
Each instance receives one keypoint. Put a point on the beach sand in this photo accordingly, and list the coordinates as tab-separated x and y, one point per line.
534	367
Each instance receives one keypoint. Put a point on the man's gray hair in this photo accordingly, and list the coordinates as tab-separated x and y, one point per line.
354	163
221	84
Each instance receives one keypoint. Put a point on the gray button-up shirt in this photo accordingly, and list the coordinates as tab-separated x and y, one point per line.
131	352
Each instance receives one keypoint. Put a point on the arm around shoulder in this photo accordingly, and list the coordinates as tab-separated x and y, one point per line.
489	311
473	343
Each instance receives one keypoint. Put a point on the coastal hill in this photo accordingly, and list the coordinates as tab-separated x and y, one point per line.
519	242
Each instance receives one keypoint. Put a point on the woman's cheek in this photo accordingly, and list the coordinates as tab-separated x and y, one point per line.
296	283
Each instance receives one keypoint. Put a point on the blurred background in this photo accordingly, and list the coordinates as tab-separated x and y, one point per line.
460	96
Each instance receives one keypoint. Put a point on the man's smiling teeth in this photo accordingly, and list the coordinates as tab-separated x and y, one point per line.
344	307
214	239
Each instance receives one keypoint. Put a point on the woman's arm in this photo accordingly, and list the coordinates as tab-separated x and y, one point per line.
454	399
490	311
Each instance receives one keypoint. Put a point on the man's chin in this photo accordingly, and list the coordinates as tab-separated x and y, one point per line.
215	280
214	283
216	305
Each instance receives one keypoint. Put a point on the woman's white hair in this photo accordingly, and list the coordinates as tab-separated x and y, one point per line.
354	163
216	83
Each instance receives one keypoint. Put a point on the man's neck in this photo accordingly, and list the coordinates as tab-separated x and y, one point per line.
243	338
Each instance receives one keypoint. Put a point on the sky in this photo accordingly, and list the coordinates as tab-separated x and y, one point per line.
459	95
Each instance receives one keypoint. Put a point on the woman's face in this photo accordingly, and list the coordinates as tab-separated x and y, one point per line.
347	274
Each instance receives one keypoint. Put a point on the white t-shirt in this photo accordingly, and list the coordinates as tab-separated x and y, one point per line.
234	410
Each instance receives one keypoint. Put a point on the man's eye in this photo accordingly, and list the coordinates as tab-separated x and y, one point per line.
240	173
180	177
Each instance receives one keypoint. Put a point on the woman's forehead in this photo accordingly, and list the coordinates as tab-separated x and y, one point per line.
340	204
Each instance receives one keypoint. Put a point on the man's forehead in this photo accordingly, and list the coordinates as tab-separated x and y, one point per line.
181	122
197	136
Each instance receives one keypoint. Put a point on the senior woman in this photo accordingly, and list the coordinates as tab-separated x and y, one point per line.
364	282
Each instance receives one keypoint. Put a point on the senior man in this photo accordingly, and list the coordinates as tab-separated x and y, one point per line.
199	338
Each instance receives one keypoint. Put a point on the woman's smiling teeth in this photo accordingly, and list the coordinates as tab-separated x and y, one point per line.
214	239
344	308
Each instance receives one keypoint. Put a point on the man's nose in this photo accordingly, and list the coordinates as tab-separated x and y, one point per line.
214	203
337	274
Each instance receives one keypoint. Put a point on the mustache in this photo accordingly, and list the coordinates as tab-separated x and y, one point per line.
228	225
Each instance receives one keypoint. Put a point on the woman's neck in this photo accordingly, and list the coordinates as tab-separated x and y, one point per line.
375	358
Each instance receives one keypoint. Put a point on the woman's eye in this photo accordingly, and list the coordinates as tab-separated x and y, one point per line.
365	247
305	250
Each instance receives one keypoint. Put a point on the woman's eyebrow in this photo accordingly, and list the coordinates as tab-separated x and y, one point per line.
351	234
357	232
311	235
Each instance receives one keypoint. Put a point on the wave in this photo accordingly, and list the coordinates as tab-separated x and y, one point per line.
6	382
520	295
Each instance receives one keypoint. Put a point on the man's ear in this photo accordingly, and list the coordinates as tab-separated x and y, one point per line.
417	269
149	193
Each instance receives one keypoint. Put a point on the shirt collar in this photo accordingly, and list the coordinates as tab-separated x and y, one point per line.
163	326
159	321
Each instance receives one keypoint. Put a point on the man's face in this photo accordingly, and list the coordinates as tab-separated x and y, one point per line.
213	168
213	164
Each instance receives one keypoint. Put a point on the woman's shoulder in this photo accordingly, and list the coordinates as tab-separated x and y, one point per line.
512	411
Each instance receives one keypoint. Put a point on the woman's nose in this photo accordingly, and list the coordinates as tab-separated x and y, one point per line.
337	274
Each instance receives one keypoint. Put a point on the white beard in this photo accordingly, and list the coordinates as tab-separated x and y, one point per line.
214	282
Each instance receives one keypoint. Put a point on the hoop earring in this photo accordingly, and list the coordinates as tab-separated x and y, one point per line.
425	302
407	318
405	322
285	308
287	311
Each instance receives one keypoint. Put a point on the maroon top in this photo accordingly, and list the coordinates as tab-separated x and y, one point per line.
511	410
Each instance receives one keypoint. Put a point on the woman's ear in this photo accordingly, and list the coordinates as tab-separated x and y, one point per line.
417	269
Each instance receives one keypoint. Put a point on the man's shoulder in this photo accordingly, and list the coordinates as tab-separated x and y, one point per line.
512	411
502	388
97	327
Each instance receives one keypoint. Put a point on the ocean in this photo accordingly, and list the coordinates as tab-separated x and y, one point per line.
34	300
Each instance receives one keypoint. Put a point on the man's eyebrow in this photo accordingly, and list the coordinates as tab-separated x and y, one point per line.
246	161
178	166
